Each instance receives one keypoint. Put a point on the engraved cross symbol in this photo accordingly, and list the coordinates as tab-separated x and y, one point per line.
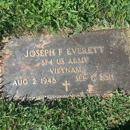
66	84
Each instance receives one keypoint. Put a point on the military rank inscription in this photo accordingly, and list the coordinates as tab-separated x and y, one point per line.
60	66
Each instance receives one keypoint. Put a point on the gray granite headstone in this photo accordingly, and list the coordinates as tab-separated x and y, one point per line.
59	66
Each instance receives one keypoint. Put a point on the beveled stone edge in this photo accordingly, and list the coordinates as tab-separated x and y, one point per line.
107	94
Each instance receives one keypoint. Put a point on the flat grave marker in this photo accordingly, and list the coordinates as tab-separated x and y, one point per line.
58	66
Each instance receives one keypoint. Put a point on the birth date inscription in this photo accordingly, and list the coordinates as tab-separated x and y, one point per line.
59	66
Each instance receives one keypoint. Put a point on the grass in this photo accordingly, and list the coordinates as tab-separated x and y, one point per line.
62	15
70	16
88	113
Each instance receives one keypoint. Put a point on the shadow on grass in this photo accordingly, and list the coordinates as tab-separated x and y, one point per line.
123	127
